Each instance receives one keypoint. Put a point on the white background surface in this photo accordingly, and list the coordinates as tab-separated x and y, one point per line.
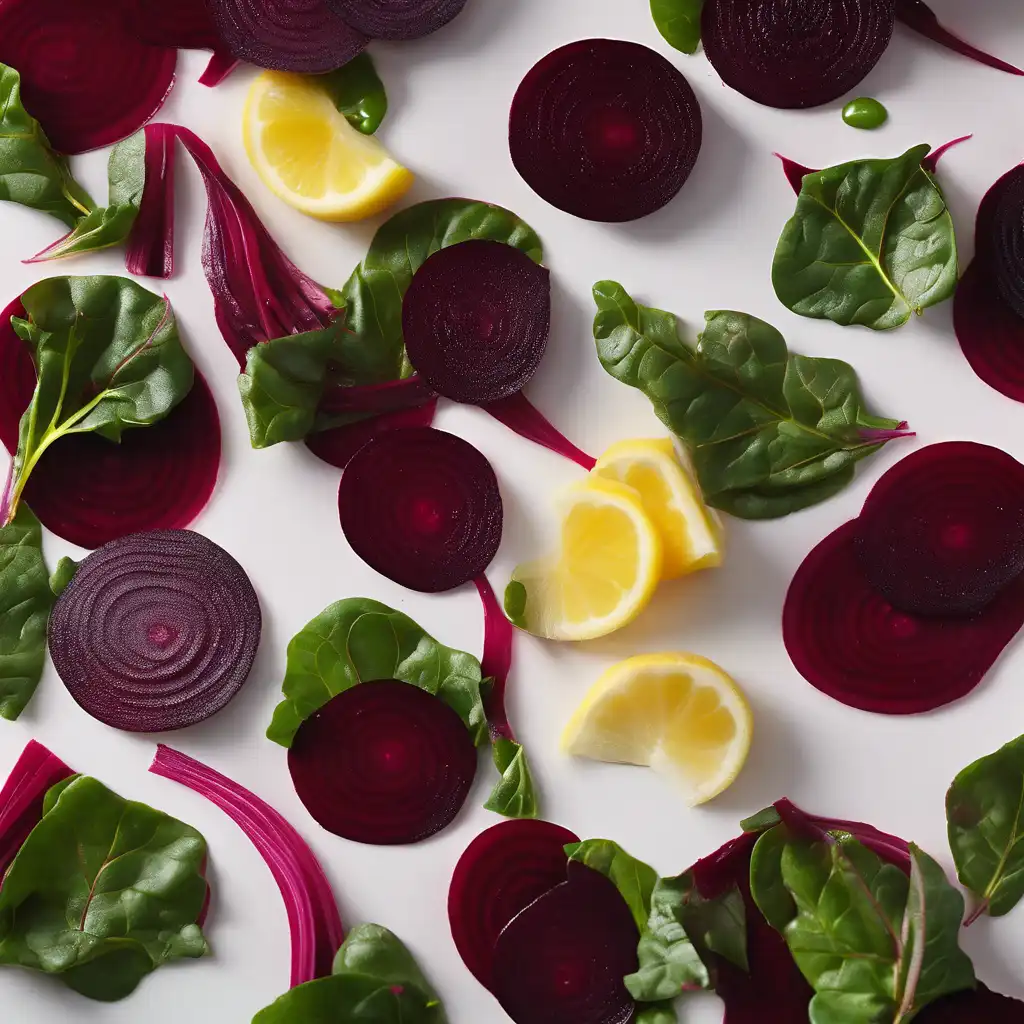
275	510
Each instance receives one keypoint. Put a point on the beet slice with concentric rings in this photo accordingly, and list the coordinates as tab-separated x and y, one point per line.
84	76
848	641
500	874
605	129
795	53
942	532
338	446
564	957
155	631
476	320
1000	237
384	763
423	508
397	19
973	1006
89	490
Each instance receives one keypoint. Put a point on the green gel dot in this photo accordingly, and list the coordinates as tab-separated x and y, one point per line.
865	113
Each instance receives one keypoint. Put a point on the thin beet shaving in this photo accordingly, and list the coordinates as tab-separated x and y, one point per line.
221	65
149	250
338	446
423	508
155	631
604	129
519	414
397	19
383	762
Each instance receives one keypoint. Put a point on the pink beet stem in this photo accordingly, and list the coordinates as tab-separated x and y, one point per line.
917	15
496	662
794	172
517	413
931	162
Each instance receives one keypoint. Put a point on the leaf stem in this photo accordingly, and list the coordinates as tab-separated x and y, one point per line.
979	911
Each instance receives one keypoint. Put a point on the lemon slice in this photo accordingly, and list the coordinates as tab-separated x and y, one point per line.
690	537
604	574
680	714
308	155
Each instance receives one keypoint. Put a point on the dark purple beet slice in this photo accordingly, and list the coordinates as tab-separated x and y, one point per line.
149	250
605	129
17	376
942	532
973	1006
563	958
423	508
286	35
397	19
795	53
476	320
84	77
338	445
383	763
846	640
185	24
501	873
999	237
156	631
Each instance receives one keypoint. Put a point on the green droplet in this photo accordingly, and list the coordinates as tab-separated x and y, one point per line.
865	113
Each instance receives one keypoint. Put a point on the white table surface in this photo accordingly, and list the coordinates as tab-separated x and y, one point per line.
276	511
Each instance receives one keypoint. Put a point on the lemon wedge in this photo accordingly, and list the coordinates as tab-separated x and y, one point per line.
691	539
307	154
678	713
605	572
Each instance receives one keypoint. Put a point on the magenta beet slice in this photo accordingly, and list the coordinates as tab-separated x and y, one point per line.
423	508
384	763
942	532
973	1006
149	249
795	53
990	333
286	35
156	631
397	19
1000	237
476	320
84	76
846	640
501	873
563	958
604	129
17	376
185	24
338	445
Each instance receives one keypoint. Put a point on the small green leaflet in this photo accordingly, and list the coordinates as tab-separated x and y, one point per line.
767	888
678	21
358	93
871	242
769	432
514	794
985	820
62	575
656	1013
634	879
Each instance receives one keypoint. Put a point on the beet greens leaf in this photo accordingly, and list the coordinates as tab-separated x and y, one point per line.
358	93
634	879
678	21
514	794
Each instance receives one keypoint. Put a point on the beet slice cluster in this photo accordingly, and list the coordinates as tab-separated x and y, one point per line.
604	129
155	631
907	607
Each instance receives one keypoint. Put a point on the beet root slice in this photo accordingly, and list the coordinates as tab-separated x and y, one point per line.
973	1006
604	129
149	249
397	19
999	236
846	640
423	508
88	80
185	24
500	874
795	53
563	958
476	320
384	763
338	445
942	532
155	631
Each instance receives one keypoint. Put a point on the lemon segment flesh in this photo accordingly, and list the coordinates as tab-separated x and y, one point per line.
677	713
307	153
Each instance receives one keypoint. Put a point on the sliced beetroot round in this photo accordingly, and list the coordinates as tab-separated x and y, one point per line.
501	873
87	79
563	958
17	377
476	320
397	19
338	445
846	640
286	35
795	53
384	763
423	508
973	1006
604	129
1000	237
155	631
942	532
184	23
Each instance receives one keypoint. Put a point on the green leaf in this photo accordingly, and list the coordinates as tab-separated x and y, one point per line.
656	1013
358	640
351	999
54	792
633	878
718	926
871	242
62	575
99	882
679	22
514	794
25	603
767	888
762	821
31	173
107	358
769	432
985	819
358	93
515	603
